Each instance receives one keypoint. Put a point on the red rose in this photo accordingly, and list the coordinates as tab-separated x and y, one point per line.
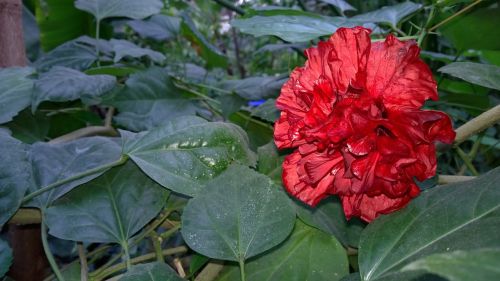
353	113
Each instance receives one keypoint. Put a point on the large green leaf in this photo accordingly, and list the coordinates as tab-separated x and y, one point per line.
124	48
212	56
477	73
328	216
341	5
55	162
151	272
463	32
60	21
14	175
255	88
110	208
15	91
266	111
459	216
240	214
388	14
185	153
77	54
102	9
269	162
478	265
29	128
5	257
66	84
158	27
308	254
150	99
291	28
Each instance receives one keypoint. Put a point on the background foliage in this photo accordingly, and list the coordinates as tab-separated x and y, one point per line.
142	132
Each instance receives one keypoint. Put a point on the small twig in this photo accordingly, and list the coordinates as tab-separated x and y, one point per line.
83	262
157	240
455	15
210	271
472	154
147	257
179	268
467	161
241	68
478	124
445	179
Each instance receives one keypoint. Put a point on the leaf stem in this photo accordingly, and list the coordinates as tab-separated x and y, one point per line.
455	15
83	262
56	184
97	34
242	269
467	161
399	38
477	124
48	253
445	179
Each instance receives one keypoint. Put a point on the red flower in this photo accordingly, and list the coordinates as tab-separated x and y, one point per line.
353	113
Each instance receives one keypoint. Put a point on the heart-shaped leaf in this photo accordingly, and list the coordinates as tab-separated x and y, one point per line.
479	265
239	214
150	99
110	208
151	272
55	162
124	48
459	216
307	254
66	84
5	257
158	27
15	91
102	9
185	153
15	176
255	88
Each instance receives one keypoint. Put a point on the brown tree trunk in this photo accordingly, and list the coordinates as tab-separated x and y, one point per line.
29	260
11	34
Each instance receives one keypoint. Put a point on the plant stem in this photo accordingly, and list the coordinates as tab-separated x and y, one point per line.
126	253
467	161
97	35
423	31
477	124
444	179
48	253
95	170
156	240
121	266
242	269
400	38
210	271
165	235
83	262
455	15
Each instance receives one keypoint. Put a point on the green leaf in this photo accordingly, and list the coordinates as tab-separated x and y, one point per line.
78	54
212	56
239	215
150	99
60	21
124	48
15	91
158	27
267	111
389	14
5	257
55	162
255	88
108	209
308	254
31	34
115	70
151	272
452	217
28	127
102	9
463	32
479	265
269	162
328	216
66	84
185	153
14	176
341	5
476	73
72	272
291	28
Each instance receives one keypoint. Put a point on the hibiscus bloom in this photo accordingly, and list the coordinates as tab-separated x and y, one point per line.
353	114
